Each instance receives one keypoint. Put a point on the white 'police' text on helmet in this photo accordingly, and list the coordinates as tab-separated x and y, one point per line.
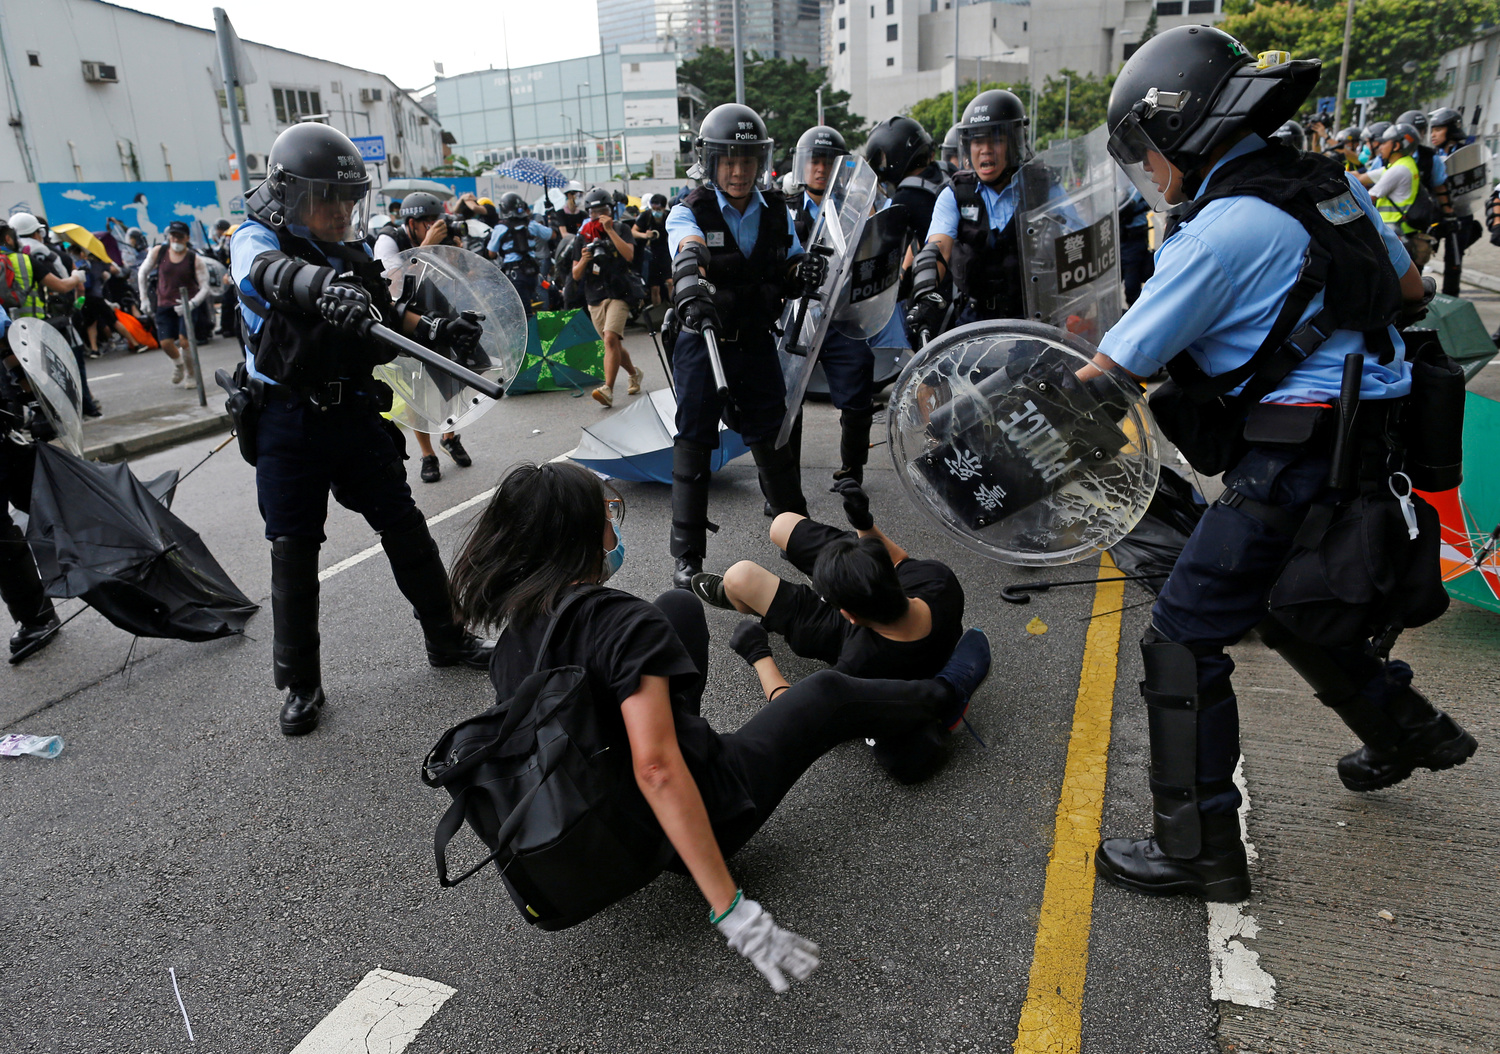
995	117
819	142
734	131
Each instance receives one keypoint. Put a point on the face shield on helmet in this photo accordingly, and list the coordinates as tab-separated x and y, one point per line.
737	168
1145	164
326	211
813	166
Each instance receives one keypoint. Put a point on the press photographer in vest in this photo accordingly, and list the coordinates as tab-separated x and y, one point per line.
519	243
1272	308
423	222
1404	203
308	408
735	260
973	229
600	255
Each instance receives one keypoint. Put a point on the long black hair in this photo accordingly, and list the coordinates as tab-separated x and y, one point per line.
541	532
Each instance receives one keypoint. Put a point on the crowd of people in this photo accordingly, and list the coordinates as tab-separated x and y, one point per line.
1229	306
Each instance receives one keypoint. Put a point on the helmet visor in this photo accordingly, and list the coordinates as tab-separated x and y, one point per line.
814	167
1146	165
327	212
994	149
737	168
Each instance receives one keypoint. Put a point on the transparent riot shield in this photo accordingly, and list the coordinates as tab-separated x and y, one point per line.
1068	230
995	437
865	304
52	372
852	196
445	280
1468	174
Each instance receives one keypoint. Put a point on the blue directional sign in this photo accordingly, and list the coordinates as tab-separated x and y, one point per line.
371	148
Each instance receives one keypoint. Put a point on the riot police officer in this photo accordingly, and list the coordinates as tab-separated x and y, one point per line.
735	259
950	160
900	151
1188	115
519	243
1445	130
308	286
973	228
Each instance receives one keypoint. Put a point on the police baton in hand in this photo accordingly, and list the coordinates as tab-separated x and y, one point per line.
406	346
727	411
795	333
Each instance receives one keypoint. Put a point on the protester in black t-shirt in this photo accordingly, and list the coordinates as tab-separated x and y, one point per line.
549	530
872	611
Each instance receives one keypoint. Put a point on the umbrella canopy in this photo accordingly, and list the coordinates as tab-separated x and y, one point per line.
397	188
100	534
83	239
530	170
1460	331
1470	514
563	351
636	443
1153	545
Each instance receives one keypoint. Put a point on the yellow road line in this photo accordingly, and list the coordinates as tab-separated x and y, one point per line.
1051	1020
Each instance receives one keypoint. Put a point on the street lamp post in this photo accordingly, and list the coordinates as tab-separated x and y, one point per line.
739	57
955	62
820	104
581	158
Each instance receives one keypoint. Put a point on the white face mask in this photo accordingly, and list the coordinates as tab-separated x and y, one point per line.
180	247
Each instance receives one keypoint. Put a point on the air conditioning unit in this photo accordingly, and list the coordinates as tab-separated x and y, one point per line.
255	165
100	73
335	86
368	95
394	162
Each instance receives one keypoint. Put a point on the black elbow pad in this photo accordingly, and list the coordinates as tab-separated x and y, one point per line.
689	258
287	283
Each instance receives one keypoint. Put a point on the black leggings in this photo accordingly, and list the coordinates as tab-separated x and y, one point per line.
772	750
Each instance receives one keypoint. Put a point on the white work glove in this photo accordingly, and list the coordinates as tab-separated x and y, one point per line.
752	932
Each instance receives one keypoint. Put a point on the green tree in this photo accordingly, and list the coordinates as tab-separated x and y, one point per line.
1150	30
1387	34
784	93
1080	108
456	165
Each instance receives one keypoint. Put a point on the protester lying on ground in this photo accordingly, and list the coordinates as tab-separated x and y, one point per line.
551	530
872	611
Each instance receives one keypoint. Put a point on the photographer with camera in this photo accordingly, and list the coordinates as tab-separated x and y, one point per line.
601	255
423	222
520	243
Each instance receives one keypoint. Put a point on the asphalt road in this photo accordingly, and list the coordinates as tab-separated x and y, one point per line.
179	830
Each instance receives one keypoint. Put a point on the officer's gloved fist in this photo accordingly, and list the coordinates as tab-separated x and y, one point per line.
345	305
460	335
926	312
772	950
692	299
809	273
750	641
856	504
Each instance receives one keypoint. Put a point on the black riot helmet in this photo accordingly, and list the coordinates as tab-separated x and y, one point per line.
1291	134
513	208
1449	118
950	151
992	135
817	143
897	145
731	131
1418	120
316	187
599	198
1189	91
420	205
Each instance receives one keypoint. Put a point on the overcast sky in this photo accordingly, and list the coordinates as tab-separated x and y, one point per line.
403	40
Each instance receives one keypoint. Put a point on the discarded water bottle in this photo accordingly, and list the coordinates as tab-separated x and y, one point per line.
42	746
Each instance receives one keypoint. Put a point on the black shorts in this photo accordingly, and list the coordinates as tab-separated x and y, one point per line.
812	627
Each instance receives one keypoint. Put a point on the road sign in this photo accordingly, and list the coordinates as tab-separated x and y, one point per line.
1367	89
372	147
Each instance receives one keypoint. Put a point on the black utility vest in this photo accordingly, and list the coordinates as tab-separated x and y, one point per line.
517	240
986	263
802	220
747	288
303	351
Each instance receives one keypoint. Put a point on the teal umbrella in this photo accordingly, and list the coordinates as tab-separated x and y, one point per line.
563	351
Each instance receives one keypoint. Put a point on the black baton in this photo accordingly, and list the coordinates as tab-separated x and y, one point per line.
1345	446
407	346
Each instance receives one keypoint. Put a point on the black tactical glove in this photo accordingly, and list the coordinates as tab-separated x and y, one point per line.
807	274
750	642
856	504
1413	312
926	313
345	305
692	297
459	335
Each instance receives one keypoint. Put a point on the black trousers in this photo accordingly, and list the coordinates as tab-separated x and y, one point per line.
771	751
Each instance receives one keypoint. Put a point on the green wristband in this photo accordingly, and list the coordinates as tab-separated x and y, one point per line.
739	895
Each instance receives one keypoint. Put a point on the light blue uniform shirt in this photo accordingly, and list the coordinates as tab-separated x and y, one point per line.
744	227
1220	282
1439	170
540	235
250	241
999	205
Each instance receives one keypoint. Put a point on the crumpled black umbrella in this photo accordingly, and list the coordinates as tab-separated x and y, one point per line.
100	535
1152	547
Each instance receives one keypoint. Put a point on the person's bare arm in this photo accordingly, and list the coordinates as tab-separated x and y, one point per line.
623	247
62	285
772	681
668	787
897	553
581	265
1412	289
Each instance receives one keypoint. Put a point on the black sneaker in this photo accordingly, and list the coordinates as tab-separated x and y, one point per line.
709	588
456	451
966	670
431	473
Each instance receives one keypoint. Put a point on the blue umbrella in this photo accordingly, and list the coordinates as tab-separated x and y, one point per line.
636	443
530	170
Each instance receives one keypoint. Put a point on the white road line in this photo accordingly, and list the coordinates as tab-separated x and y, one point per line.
1235	974
382	1015
106	377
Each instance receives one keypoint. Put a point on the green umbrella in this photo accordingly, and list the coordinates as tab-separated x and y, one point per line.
1461	333
563	351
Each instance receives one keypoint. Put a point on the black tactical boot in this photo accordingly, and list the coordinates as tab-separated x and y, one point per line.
1405	733
854	444
295	641
452	645
21	589
1219	872
690	526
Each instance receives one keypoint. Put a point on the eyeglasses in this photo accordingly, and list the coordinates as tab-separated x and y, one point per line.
614	511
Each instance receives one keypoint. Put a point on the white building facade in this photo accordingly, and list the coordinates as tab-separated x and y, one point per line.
774	29
1470	76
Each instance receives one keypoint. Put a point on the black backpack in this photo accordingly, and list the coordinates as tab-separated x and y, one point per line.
552	796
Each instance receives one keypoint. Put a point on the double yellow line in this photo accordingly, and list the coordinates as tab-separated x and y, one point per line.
1052	1017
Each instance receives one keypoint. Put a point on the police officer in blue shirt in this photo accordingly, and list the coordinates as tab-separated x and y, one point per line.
735	260
307	286
520	244
973	228
1238	305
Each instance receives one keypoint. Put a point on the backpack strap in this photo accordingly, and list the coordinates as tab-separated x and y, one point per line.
541	652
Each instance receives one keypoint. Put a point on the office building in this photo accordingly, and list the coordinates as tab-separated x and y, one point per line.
783	29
